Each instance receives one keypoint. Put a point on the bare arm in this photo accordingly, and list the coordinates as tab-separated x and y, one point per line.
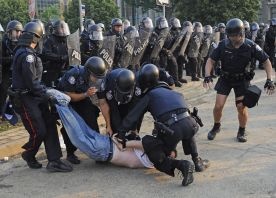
75	97
106	114
268	69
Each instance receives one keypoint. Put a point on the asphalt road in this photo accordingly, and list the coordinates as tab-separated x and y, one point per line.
238	170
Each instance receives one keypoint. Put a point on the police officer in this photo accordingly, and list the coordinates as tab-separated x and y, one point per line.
81	83
84	38
117	29
115	97
95	43
247	29
55	54
235	54
193	50
221	30
9	42
174	115
270	41
30	100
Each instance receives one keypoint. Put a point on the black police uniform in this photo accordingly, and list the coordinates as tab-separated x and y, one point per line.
236	69
55	59
76	80
32	104
84	46
269	46
174	114
117	111
7	55
119	46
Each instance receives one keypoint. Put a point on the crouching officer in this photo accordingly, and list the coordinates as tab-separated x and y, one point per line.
174	115
30	100
81	83
236	54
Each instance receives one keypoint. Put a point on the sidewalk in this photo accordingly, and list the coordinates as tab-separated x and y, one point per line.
12	140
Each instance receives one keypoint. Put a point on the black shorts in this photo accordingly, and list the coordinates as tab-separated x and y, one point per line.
224	87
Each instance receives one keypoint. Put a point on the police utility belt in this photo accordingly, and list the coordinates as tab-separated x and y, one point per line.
174	116
17	92
236	77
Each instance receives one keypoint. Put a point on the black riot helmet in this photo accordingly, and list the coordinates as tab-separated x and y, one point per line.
146	23
96	67
40	23
262	26
88	23
124	86
33	28
60	28
221	25
161	23
175	23
187	23
132	31
126	24
116	22
148	76
14	25
101	25
95	33
14	29
254	26
234	27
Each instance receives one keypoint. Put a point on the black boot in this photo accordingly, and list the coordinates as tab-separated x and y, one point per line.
194	78
212	134
241	136
58	166
183	80
31	161
73	158
187	169
200	164
178	84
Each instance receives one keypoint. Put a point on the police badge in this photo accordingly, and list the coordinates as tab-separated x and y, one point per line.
109	95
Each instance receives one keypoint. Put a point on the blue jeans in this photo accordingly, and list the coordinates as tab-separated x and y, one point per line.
96	146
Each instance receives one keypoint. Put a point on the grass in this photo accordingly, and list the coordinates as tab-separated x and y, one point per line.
4	126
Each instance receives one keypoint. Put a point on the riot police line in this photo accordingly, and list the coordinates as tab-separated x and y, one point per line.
123	73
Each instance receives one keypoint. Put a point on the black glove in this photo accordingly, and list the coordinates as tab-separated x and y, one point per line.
269	85
53	101
208	79
121	138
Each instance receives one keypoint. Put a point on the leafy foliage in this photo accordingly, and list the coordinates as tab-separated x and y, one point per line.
51	13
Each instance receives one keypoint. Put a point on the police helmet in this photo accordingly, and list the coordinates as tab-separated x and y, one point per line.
88	23
14	25
161	23
148	76
96	67
33	28
261	25
234	27
208	29
132	31
273	22
187	23
246	25
124	86
221	25
175	23
198	27
95	33
126	24
254	26
101	25
116	22
60	28
40	23
146	23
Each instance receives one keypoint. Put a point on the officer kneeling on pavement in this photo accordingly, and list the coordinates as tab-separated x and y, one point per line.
236	54
31	102
173	123
81	83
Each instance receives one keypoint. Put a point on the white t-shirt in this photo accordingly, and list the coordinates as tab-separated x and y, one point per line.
143	158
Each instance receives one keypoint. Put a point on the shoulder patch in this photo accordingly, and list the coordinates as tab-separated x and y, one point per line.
109	95
30	58
138	91
72	80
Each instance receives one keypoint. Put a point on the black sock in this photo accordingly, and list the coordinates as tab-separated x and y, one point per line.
241	129
216	125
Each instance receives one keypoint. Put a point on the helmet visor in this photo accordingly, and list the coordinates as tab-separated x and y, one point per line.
96	36
148	23
163	24
63	30
176	23
14	35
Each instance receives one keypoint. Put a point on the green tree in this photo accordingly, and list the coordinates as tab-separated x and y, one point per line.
215	11
100	11
13	10
51	13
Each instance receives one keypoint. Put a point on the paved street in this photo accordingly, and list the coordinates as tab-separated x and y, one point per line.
238	170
